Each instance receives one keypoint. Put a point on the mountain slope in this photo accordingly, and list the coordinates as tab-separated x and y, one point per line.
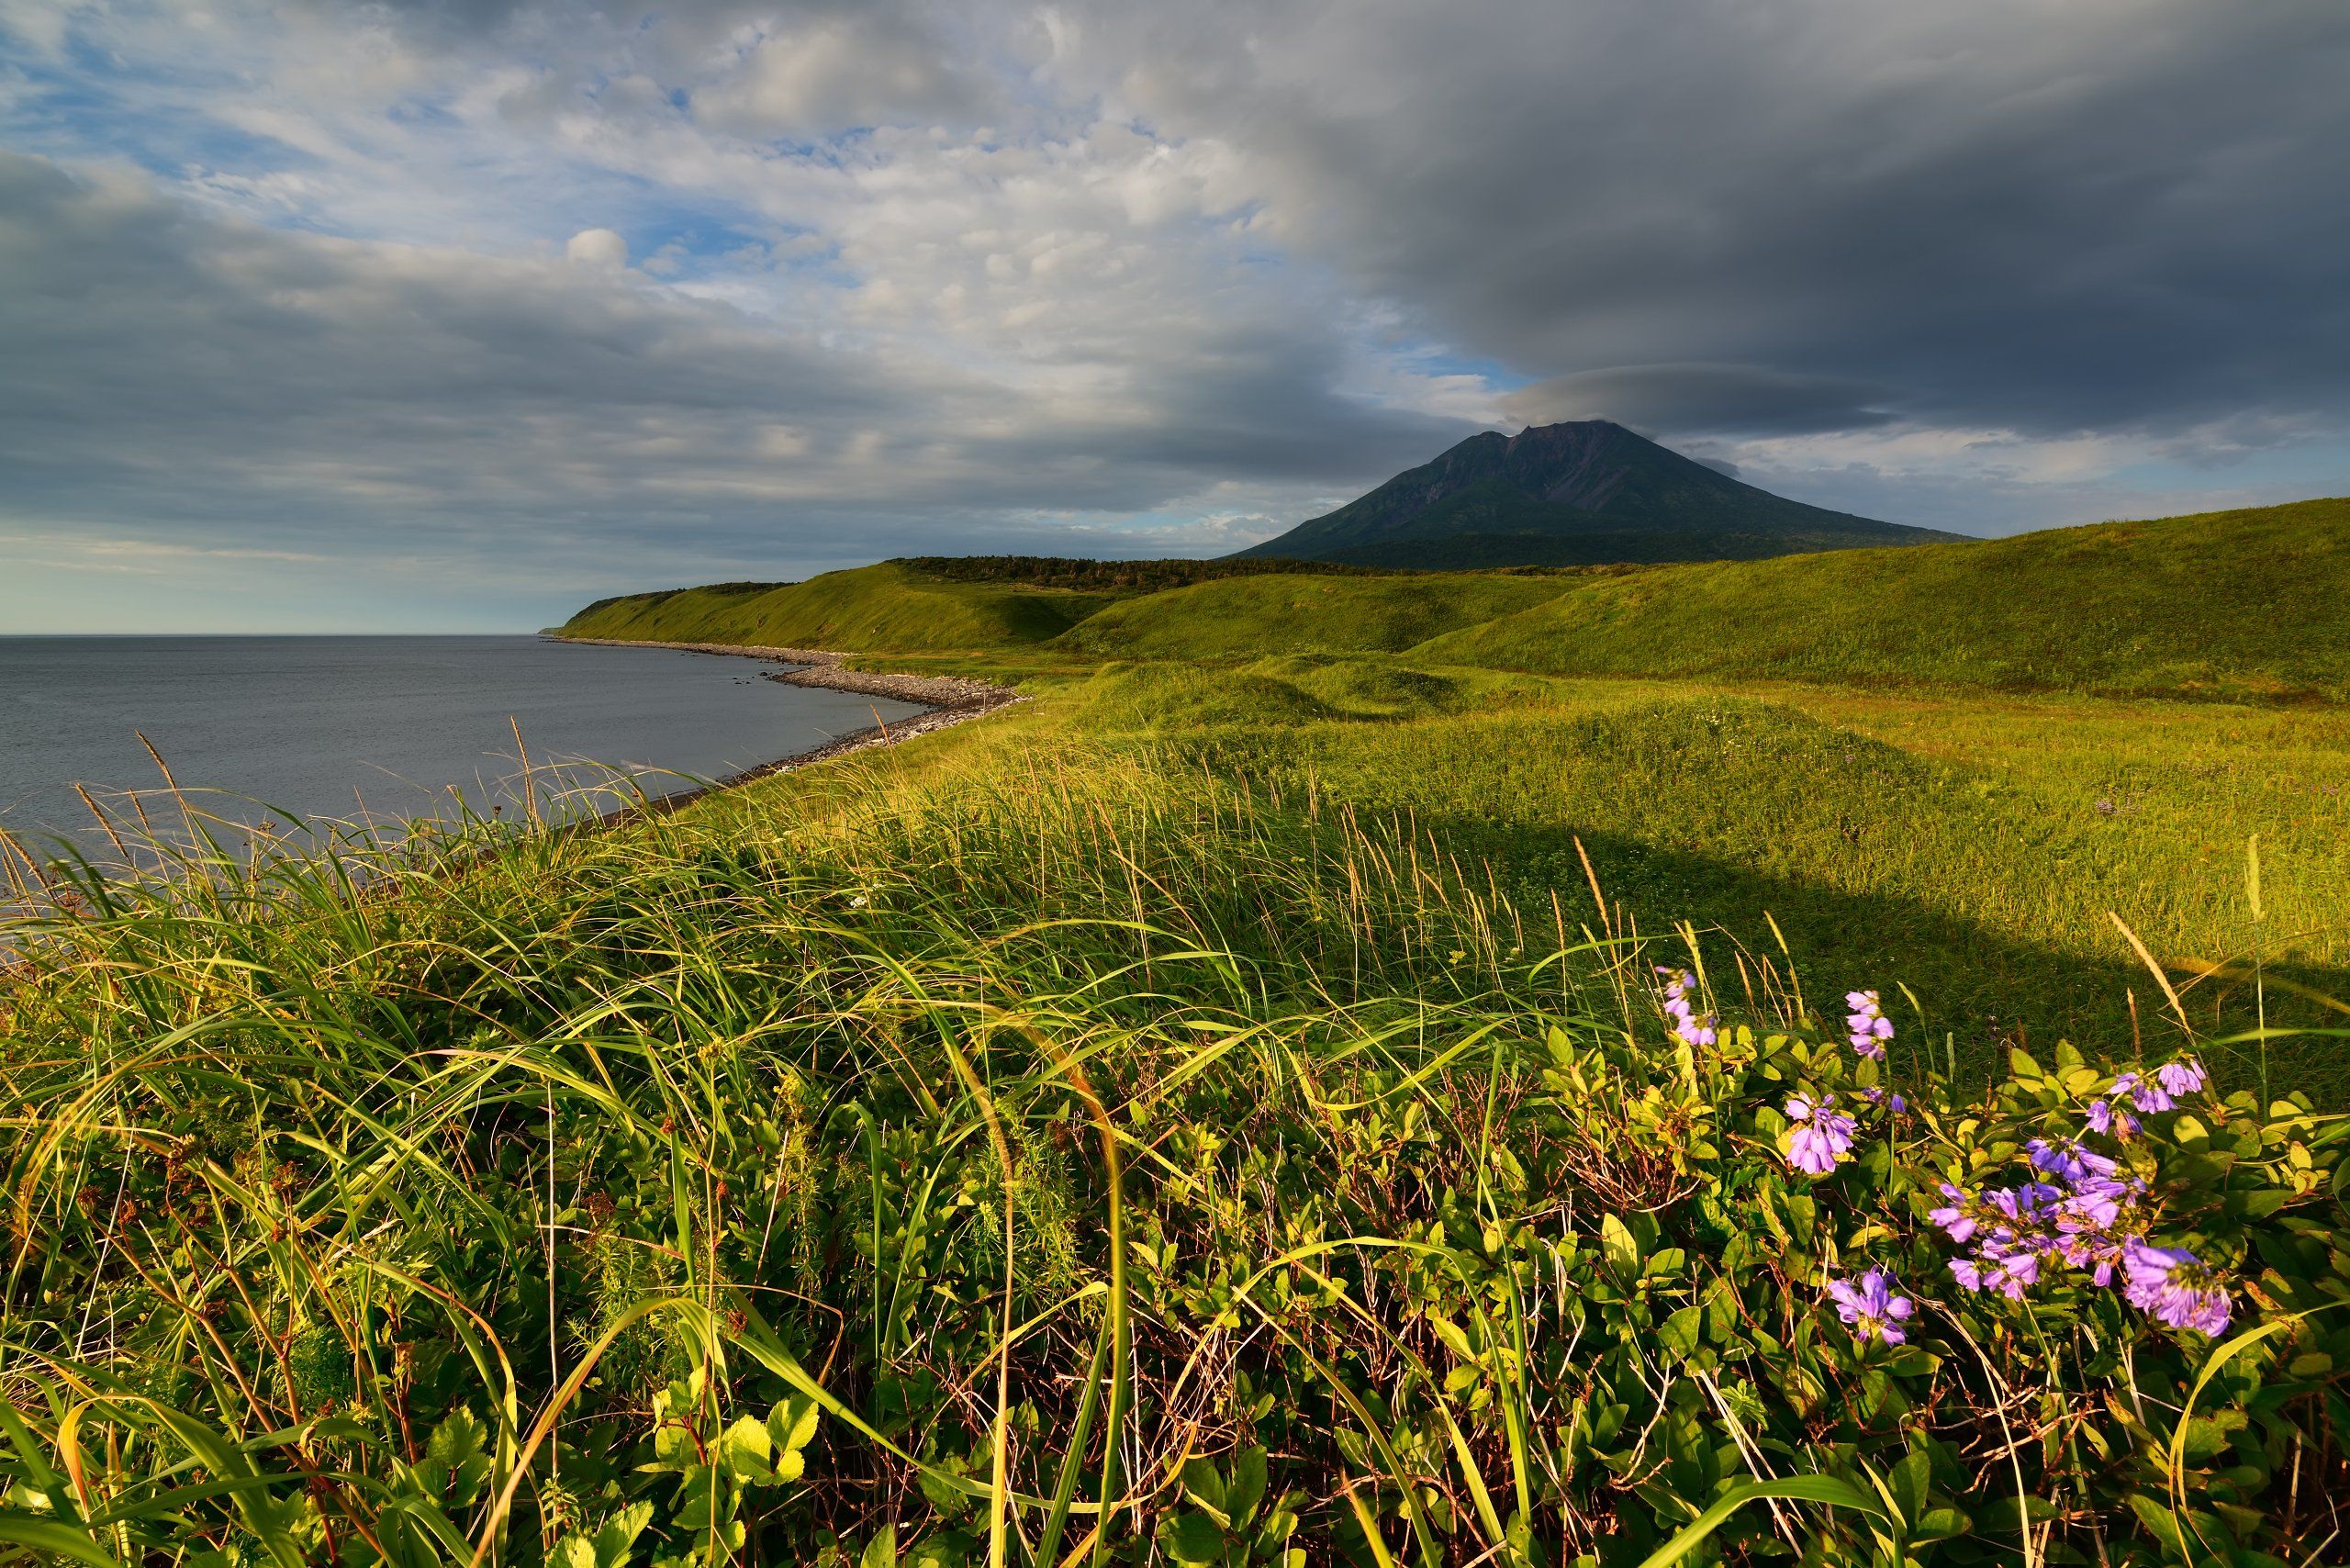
1302	613
1578	494
2237	604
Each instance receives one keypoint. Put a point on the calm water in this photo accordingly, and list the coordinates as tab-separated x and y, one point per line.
318	724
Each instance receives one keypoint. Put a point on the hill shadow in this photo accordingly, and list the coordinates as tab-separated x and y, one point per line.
1985	990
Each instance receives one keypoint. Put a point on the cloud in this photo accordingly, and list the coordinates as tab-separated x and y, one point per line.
216	381
2116	214
842	72
596	248
1701	398
354	279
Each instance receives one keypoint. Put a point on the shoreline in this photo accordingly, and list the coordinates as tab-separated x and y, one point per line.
946	701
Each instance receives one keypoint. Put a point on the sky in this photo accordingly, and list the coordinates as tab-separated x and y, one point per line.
451	316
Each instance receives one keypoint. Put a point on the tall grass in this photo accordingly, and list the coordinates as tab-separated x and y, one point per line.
1977	846
1061	1156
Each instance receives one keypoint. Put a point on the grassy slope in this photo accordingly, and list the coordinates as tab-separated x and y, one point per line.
2225	604
880	607
1971	848
1970	845
1244	617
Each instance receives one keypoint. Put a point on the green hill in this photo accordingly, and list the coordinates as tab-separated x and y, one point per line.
1580	493
2225	604
1244	617
2239	604
889	607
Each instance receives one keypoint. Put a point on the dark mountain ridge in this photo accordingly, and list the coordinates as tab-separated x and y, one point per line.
1583	493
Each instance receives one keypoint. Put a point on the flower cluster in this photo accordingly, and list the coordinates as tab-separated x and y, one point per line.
1821	1136
1692	1029
2170	1285
2079	1211
2172	1081
1870	1307
1866	1023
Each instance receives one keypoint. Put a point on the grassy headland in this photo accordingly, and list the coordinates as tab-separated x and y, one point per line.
886	606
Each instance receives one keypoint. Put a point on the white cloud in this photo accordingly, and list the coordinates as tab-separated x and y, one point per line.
839	74
596	248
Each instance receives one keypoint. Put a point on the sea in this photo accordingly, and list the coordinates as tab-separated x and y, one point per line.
385	730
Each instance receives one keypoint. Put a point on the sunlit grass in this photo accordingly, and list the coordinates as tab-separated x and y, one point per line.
1011	1148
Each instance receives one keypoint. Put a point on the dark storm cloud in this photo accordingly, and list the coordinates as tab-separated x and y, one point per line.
193	371
1736	399
2045	217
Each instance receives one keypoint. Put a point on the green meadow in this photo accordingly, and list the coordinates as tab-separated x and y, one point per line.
1959	767
1357	1069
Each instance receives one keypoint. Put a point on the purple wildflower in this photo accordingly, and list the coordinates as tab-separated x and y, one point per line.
2181	1077
2096	1203
1686	1024
2013	1270
1952	1216
1879	1097
2148	1097
2114	1120
2068	1162
2008	1271
2025	1205
2170	1285
1870	1307
2082	1211
1821	1136
1866	1023
2092	1250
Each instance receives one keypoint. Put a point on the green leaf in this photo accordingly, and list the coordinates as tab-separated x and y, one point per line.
1803	1488
54	1539
1245	1487
455	1465
793	1423
608	1546
1191	1539
2156	1517
881	1551
1909	1482
2260	1204
1678	1338
1616	1243
1941	1524
1455	1339
1205	1487
743	1448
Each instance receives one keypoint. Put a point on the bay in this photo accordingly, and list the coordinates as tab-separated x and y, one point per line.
387	728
